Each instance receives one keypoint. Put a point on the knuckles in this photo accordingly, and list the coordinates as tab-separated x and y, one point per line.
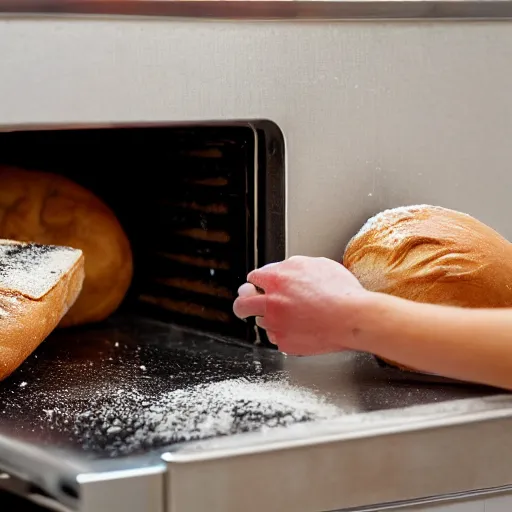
297	261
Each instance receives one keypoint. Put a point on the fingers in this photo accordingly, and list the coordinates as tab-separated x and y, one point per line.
266	277
253	305
263	277
247	290
261	322
245	307
272	337
252	300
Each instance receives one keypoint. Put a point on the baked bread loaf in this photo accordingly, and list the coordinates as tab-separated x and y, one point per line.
49	209
38	285
433	255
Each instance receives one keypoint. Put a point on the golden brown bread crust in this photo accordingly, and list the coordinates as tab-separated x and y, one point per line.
25	322
50	209
433	255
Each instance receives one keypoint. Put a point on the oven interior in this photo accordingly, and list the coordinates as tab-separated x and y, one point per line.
192	200
202	205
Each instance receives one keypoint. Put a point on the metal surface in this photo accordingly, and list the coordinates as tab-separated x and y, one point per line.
347	465
139	490
375	115
269	10
53	398
65	401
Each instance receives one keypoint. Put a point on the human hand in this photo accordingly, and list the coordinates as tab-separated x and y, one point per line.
307	305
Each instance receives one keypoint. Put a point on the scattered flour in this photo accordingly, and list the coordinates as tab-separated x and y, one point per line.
129	422
395	214
389	217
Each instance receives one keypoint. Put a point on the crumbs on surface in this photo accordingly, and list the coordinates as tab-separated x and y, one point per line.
127	420
95	397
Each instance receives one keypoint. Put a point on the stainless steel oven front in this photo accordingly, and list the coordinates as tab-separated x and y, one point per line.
330	112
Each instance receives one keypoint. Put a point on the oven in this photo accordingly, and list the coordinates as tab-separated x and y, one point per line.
225	136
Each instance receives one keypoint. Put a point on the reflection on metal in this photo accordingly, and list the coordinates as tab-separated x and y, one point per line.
130	490
415	460
269	10
448	499
48	503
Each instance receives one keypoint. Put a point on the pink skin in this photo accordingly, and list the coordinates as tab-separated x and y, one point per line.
316	306
301	304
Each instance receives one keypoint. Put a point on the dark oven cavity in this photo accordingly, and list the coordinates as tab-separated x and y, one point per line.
202	206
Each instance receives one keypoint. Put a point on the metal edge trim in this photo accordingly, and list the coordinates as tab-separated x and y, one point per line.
326	432
255	198
268	10
129	488
77	125
275	235
86	478
228	471
433	500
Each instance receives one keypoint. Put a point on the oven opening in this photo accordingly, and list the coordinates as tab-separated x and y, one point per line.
201	206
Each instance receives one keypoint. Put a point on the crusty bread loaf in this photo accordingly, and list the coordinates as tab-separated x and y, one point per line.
38	285
50	209
433	255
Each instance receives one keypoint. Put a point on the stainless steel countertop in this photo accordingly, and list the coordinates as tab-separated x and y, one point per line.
387	453
75	375
388	423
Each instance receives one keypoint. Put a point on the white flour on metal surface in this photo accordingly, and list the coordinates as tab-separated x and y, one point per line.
129	421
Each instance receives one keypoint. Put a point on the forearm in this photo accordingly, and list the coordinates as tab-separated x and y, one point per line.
467	344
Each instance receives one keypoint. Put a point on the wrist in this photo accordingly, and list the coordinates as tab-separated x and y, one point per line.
367	313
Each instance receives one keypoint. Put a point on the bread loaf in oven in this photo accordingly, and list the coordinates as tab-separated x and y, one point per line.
49	209
38	286
433	255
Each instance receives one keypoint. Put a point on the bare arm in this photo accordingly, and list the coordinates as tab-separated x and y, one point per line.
315	306
467	344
